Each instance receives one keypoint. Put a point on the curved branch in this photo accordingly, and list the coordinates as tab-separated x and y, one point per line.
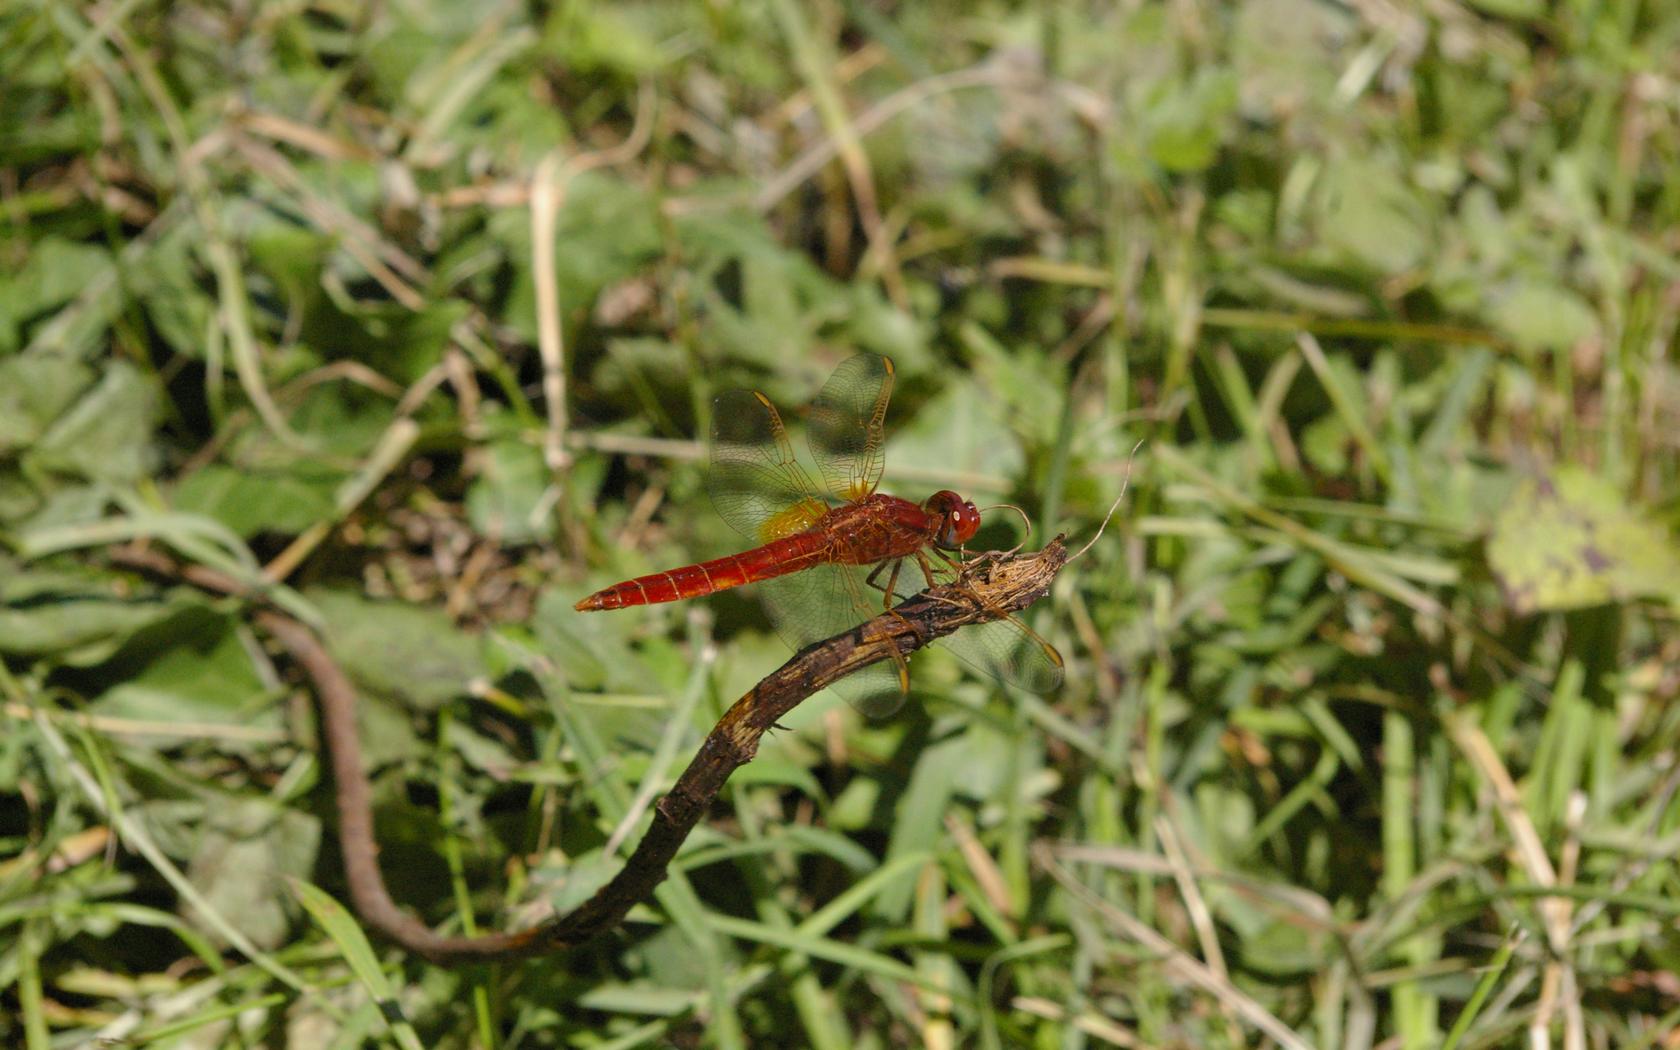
990	585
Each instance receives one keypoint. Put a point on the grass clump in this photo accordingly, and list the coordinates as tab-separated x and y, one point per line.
415	313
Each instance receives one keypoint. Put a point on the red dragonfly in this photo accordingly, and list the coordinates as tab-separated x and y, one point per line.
822	552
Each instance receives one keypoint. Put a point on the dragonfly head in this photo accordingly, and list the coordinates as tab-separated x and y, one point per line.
958	519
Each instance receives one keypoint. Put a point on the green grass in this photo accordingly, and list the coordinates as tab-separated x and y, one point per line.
1367	736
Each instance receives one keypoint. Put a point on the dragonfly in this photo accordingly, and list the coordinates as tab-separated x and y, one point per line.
829	556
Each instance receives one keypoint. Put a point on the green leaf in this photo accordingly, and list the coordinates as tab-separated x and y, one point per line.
1511	8
292	257
1371	217
1188	124
589	648
415	655
249	847
56	273
607	40
606	232
353	944
34	390
168	289
921	814
251	501
107	435
1543	316
961	430
18	498
1573	541
1281	950
202	675
76	620
567	887
504	498
1285	53
765	303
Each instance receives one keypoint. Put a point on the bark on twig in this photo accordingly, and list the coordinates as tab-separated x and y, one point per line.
1006	583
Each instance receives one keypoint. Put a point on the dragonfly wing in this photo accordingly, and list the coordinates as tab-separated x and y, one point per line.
1008	651
847	422
760	489
826	600
755	482
1004	649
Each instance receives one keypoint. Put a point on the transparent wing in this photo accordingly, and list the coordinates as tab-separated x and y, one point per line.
1005	649
1009	652
759	488
824	601
755	482
846	424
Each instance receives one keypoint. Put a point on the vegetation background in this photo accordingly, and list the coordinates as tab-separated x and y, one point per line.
1369	730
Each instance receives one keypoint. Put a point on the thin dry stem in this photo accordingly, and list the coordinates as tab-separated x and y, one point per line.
1125	483
984	591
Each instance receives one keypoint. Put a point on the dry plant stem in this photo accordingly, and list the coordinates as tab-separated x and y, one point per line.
995	585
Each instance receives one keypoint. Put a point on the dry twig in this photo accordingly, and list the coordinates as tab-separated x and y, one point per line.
991	585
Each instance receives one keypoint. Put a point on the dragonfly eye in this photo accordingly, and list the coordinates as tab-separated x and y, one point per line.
958	518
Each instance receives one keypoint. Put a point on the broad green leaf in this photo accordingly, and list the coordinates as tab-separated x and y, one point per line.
773	770
875	324
1371	217
963	430
202	675
243	858
256	501
169	291
566	888
608	40
1543	316
1187	124
292	257
107	434
505	498
77	620
34	390
415	655
1018	387
56	273
1279	949
920	813
1285	54
483	752
1328	444
1573	540
18	498
589	648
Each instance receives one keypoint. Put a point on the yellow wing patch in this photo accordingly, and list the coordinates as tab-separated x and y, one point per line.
797	518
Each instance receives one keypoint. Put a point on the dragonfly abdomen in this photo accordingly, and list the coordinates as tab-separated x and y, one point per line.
777	558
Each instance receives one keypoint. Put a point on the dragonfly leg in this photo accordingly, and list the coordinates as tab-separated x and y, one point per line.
927	567
927	571
887	592
900	664
997	611
891	589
